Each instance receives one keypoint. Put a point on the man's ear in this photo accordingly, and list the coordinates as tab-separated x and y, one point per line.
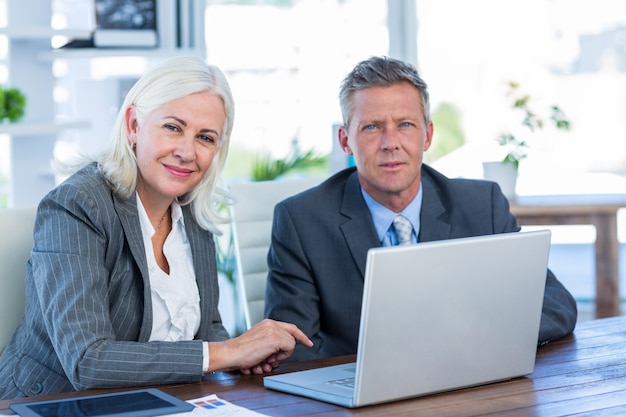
342	135
430	129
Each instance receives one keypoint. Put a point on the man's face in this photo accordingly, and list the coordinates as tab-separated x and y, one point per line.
387	137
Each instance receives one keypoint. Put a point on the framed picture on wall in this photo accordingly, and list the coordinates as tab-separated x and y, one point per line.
126	24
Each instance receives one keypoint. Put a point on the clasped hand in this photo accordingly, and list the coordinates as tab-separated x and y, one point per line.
259	350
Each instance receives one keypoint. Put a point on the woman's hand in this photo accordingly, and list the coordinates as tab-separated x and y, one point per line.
259	350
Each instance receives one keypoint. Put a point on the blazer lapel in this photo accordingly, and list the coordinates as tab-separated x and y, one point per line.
129	217
200	252
360	235
431	225
203	254
360	238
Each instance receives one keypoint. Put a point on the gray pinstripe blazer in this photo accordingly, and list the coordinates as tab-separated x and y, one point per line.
88	305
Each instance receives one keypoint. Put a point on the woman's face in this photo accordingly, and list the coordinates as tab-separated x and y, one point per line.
175	144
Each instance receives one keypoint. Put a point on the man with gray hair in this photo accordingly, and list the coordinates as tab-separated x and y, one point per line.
320	237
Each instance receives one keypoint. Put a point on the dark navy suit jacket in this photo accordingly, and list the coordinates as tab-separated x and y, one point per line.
320	240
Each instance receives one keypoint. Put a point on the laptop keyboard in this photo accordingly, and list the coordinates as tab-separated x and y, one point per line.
343	382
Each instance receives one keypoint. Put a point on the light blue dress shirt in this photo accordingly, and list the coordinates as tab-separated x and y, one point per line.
383	218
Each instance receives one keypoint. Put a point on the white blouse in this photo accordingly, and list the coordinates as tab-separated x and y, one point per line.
175	297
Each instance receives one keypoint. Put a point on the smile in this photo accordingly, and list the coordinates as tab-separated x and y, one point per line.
178	171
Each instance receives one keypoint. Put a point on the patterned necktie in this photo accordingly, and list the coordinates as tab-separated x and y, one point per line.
403	229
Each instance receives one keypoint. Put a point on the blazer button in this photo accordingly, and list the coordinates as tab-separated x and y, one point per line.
36	388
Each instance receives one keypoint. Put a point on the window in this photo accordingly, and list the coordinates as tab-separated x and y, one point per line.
566	52
569	53
285	61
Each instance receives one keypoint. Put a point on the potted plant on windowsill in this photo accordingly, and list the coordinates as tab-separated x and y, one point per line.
505	171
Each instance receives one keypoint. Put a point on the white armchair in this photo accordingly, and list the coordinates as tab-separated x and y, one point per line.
252	228
16	225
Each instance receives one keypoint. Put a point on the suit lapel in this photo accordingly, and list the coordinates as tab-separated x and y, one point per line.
129	217
203	253
360	236
360	239
432	227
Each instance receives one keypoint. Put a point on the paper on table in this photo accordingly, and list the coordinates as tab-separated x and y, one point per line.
211	405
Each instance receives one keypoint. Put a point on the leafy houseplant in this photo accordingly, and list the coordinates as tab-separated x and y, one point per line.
265	168
518	148
505	171
12	104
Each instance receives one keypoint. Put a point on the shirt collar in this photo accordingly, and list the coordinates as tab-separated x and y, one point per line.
383	217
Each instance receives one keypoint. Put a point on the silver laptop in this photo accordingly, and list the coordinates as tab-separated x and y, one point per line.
438	316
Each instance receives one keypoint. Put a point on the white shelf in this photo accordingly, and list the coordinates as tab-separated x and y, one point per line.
31	129
89	53
30	61
42	32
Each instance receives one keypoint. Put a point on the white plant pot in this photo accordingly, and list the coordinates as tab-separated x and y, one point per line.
504	173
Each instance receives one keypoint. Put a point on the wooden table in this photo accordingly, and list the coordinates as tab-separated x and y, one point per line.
597	210
584	373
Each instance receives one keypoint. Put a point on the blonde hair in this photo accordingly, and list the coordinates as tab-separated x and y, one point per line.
173	79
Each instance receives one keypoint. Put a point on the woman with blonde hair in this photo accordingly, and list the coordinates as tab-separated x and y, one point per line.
121	285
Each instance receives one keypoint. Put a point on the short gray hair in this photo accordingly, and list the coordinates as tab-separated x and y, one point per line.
380	72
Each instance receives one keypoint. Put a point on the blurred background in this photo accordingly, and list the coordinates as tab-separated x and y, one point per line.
285	60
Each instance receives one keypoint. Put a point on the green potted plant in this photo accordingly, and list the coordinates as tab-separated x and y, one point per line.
505	171
266	168
12	104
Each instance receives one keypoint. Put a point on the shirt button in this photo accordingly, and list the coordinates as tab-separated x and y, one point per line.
36	388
